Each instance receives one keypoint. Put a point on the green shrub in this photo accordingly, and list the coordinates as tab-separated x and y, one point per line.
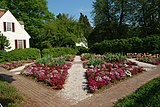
50	61
95	48
56	52
146	96
95	62
88	56
149	44
2	54
114	57
22	54
82	50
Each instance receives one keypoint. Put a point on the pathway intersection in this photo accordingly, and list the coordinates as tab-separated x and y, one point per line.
75	88
74	93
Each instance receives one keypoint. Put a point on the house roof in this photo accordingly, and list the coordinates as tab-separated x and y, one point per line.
2	12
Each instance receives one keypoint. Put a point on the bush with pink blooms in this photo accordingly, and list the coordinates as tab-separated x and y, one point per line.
53	73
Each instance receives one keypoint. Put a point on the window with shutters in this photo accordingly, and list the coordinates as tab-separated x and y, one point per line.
9	26
20	44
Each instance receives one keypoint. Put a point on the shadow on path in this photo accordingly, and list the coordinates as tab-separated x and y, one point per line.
7	78
5	102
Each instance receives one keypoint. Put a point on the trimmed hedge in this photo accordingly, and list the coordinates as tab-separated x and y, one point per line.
56	52
149	44
22	54
146	96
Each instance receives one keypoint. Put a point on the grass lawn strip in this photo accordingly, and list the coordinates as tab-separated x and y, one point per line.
9	96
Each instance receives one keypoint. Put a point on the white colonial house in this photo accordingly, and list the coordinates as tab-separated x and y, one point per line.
13	30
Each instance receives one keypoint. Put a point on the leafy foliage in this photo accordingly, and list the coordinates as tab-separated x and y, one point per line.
117	19
51	61
22	54
82	50
56	52
88	56
85	25
95	62
149	44
4	43
114	57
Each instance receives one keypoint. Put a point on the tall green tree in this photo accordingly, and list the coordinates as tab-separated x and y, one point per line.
66	30
115	19
85	25
147	17
110	20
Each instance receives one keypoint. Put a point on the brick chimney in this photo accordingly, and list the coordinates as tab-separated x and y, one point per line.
2	11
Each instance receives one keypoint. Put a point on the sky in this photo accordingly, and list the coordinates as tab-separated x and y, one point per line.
71	7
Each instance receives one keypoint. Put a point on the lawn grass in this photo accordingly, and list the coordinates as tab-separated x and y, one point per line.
147	95
9	96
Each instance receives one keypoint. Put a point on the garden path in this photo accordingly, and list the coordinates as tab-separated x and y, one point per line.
39	95
18	70
75	88
147	66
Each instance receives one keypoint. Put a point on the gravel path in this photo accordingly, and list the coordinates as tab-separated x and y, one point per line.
145	65
75	88
18	70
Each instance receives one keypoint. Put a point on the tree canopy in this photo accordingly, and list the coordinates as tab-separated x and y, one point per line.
115	19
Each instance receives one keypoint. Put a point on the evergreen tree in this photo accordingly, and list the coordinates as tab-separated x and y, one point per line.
85	26
4	43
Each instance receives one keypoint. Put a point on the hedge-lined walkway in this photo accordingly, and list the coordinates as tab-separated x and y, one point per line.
38	95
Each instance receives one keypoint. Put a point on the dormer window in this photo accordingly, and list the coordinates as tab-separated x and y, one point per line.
9	26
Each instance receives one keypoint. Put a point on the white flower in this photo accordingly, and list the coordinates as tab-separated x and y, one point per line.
128	73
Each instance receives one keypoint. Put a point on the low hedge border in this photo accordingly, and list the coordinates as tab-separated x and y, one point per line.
149	44
20	54
56	52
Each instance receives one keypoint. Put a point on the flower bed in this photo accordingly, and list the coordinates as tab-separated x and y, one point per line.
155	61
147	58
86	56
12	65
100	72
52	71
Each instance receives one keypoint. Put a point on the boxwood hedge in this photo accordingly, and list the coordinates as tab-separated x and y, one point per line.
149	44
56	52
20	54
